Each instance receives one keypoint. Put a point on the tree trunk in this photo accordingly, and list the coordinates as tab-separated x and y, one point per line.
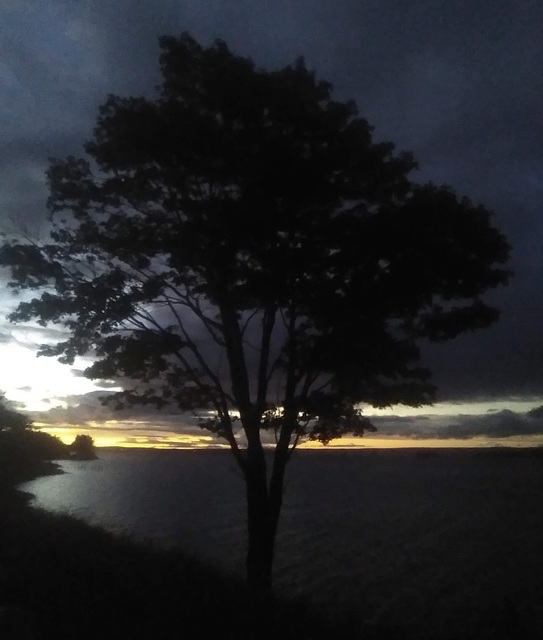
263	510
261	537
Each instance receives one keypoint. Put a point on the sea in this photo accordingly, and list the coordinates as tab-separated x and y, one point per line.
424	543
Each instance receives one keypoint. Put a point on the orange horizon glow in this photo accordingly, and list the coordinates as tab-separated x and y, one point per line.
143	433
156	439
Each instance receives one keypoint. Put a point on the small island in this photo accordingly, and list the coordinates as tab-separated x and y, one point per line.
82	448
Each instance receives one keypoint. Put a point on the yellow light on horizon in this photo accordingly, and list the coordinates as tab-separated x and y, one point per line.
154	439
427	443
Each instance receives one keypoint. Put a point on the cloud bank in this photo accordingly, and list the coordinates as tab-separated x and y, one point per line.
459	83
87	412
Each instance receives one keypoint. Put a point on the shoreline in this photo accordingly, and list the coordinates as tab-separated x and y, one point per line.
62	578
70	563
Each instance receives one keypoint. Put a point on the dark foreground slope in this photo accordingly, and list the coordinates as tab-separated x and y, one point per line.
60	578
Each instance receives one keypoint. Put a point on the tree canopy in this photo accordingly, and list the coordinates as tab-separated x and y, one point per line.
240	244
82	448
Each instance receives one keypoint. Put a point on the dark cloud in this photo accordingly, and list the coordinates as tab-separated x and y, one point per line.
106	384
500	424
504	424
457	82
536	413
149	425
89	408
101	384
74	410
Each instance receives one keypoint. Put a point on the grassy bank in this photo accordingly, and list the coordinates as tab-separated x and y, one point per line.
61	578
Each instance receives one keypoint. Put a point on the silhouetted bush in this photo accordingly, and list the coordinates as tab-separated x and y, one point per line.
82	448
27	453
31	445
24	452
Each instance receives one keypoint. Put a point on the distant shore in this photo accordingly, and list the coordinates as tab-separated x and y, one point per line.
498	449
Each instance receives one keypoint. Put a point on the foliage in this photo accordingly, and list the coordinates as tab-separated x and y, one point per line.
32	445
240	244
82	448
23	448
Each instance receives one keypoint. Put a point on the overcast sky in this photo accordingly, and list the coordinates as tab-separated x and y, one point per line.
459	83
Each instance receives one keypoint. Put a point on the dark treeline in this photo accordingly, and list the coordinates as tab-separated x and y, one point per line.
26	451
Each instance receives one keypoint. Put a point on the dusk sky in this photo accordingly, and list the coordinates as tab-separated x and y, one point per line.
458	83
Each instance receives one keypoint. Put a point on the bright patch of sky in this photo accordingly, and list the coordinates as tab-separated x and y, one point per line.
460	408
37	382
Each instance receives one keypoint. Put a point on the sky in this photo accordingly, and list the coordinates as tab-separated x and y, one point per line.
457	82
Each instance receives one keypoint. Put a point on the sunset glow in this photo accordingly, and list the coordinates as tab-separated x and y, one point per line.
117	436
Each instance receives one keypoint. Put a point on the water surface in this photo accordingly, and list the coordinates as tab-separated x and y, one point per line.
428	538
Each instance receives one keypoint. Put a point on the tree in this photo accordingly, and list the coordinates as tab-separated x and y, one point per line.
23	449
241	245
82	447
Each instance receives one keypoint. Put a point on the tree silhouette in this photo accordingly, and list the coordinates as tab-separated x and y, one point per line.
23	449
241	245
82	447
